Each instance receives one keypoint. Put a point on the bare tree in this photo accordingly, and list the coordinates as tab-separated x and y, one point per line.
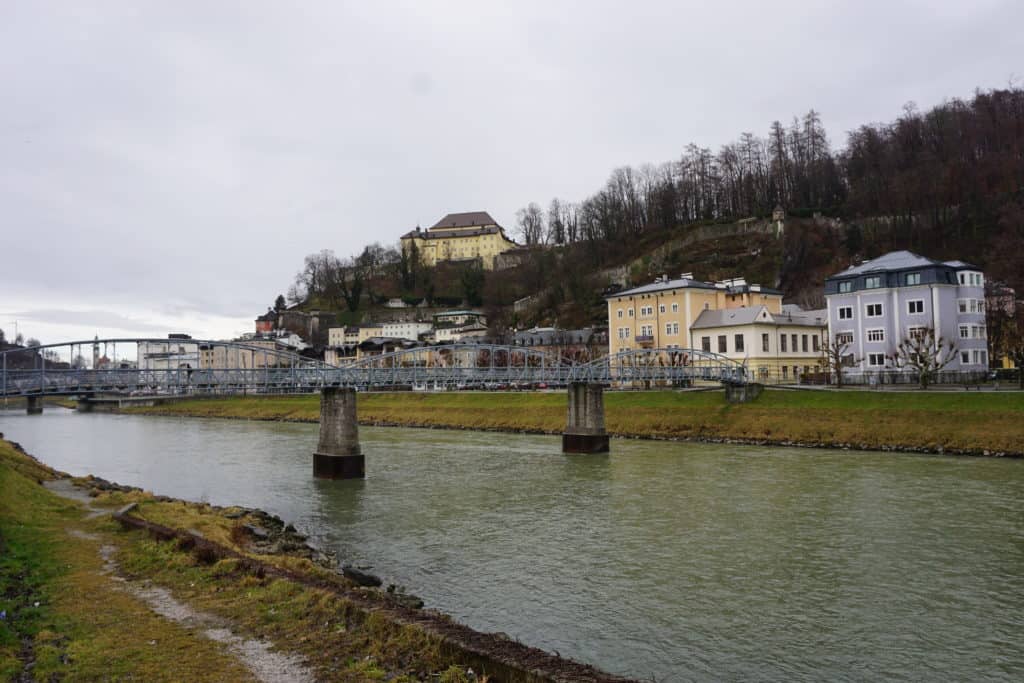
924	354
556	222
1013	345
531	223
836	359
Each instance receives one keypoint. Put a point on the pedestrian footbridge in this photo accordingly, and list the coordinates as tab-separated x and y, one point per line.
162	367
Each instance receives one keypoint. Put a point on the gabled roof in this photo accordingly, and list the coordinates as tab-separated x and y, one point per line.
726	317
464	220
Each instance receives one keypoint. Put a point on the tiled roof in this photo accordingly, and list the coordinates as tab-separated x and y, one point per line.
465	220
662	285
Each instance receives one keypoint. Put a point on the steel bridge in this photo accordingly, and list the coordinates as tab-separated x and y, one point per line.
174	367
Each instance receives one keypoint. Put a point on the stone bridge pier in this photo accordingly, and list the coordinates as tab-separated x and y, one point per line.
34	405
338	455
584	429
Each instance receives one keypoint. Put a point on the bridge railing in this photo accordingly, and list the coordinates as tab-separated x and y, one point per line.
457	366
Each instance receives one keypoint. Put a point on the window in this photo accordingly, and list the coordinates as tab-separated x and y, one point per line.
675	328
647	330
794	343
739	342
707	306
965	357
876	335
913	279
965	332
846	312
785	372
915	307
675	308
661	308
782	342
764	342
705	343
915	332
816	342
721	343
873	282
963	280
845	287
620	312
876	360
873	310
631	313
803	343
977	331
961	305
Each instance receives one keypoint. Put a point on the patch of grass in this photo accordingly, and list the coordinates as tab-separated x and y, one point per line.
341	640
57	598
968	421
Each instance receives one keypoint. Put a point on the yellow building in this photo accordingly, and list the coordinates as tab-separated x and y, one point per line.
459	237
659	315
219	356
776	347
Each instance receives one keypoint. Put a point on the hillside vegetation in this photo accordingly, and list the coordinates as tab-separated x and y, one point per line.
947	182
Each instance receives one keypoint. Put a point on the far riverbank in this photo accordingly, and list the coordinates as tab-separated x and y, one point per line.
942	422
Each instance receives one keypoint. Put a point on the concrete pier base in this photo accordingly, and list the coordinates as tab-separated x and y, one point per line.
34	405
584	429
742	393
338	455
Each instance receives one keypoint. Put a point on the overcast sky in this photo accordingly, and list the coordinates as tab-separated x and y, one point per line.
165	166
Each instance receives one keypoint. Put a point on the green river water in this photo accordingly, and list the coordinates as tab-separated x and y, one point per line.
667	560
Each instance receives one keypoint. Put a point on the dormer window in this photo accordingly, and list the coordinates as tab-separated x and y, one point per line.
913	279
873	282
845	287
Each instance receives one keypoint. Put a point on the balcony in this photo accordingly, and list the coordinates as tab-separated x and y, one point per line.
645	339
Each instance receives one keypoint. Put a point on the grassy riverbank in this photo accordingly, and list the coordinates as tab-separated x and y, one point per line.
972	422
173	590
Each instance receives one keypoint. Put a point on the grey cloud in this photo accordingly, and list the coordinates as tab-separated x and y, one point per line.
186	156
104	319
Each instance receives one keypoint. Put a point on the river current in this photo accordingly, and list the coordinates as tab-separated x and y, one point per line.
667	560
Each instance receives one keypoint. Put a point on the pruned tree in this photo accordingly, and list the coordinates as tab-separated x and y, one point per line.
925	354
836	359
279	303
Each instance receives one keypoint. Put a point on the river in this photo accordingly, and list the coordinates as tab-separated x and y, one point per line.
667	560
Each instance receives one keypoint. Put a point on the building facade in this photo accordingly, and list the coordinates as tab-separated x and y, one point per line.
875	306
776	347
659	315
459	237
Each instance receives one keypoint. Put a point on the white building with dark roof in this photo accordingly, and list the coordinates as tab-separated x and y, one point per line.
874	306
